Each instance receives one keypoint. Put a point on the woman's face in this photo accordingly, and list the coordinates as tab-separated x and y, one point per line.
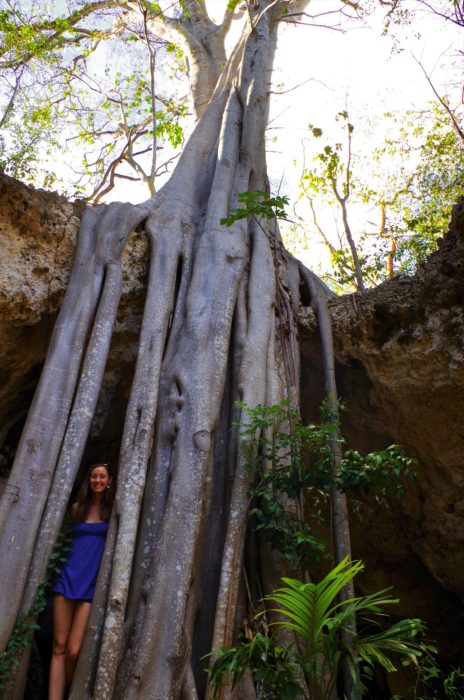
99	479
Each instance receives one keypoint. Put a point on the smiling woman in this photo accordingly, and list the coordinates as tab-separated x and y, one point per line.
76	583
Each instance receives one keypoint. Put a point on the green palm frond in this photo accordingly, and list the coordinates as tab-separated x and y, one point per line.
399	639
311	607
312	610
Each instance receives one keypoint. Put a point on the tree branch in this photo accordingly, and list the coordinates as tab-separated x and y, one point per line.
10	104
61	25
229	16
445	106
458	10
152	54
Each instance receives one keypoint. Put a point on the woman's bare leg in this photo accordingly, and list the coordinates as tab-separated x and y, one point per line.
63	613
76	637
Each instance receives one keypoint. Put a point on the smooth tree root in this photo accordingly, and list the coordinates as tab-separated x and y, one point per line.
172	236
50	435
48	424
186	409
73	444
338	502
190	394
163	614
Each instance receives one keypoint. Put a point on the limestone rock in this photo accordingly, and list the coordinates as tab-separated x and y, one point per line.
38	232
400	370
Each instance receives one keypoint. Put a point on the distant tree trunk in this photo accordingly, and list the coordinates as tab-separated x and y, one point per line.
218	327
354	251
383	232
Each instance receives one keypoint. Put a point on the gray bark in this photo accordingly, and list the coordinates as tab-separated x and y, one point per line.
204	44
29	483
218	326
338	502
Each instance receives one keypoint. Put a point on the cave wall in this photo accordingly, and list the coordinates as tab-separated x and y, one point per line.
400	370
38	232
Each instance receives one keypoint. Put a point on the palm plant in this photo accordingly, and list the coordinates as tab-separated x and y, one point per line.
313	612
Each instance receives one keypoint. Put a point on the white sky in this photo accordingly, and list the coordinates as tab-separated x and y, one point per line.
359	70
356	69
358	66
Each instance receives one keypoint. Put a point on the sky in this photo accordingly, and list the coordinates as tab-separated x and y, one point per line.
320	71
356	69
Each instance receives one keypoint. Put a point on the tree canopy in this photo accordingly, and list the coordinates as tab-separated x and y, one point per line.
97	93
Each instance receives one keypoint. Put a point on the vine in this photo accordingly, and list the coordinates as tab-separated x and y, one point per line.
26	624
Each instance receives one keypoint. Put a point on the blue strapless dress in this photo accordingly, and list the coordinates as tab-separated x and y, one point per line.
78	577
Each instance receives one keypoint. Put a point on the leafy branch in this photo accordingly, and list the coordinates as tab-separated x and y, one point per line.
26	624
294	464
259	204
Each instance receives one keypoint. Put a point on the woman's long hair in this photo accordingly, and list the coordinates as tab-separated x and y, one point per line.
84	497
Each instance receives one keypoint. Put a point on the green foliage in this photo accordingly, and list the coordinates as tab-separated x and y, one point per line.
20	638
286	533
414	178
273	668
372	252
294	462
168	126
232	5
313	611
68	98
379	474
280	459
432	683
428	156
259	204
153	6
331	174
453	684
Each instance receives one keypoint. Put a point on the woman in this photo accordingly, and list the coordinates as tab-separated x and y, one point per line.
75	586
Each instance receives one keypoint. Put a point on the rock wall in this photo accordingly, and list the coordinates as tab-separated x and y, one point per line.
400	367
400	370
38	232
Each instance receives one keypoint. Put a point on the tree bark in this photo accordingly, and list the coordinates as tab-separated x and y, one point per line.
46	427
218	327
338	502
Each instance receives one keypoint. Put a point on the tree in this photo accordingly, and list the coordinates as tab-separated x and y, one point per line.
58	100
419	206
333	178
401	193
170	581
312	610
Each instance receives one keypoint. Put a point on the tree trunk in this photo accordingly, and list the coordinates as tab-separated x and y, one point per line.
338	502
218	327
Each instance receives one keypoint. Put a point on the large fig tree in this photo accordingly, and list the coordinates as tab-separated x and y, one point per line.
219	326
